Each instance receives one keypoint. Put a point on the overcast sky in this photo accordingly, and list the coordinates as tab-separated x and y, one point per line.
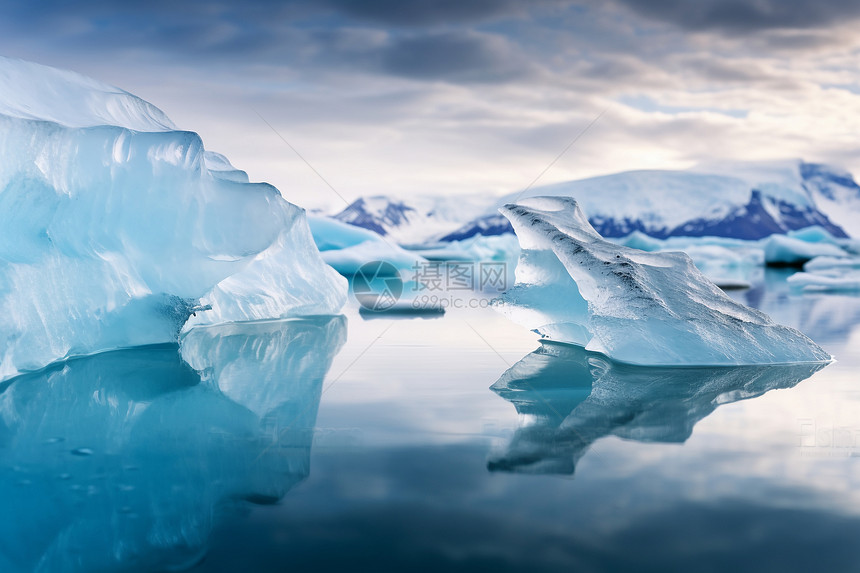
461	96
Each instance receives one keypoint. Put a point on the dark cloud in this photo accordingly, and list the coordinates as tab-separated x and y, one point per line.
194	28
453	56
742	16
296	34
433	12
797	41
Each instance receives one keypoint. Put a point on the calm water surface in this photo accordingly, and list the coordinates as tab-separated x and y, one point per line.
455	443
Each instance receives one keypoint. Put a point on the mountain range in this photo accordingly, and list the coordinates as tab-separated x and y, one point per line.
748	200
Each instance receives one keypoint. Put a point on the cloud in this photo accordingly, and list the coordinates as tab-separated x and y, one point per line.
266	32
461	56
424	12
390	96
746	16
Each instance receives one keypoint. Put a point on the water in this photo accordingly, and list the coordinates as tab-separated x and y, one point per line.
434	443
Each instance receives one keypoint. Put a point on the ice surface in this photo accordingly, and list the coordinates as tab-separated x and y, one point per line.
637	307
42	93
568	399
126	460
115	228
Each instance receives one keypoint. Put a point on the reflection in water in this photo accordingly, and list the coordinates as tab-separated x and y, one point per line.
827	318
568	398
125	460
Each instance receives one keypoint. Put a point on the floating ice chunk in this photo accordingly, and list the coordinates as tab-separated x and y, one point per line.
347	247
477	248
814	234
637	307
828	274
819	264
373	264
780	250
641	241
115	228
347	261
822	282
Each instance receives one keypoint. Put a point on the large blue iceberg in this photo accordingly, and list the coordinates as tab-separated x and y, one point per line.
118	230
633	306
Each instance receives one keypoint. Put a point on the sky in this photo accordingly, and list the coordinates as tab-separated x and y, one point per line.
453	97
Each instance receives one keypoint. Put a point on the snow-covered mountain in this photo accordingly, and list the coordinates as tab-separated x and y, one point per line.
416	220
835	193
739	200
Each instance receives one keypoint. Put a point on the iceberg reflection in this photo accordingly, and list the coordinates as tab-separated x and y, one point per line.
126	460
568	398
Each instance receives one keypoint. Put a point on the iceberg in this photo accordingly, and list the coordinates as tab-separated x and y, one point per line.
498	248
848	281
831	264
347	247
119	230
816	234
828	274
780	250
384	277
573	286
736	263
